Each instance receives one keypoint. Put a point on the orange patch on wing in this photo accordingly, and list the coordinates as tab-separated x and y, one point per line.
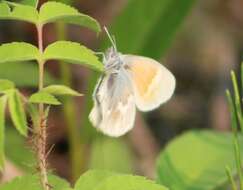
143	75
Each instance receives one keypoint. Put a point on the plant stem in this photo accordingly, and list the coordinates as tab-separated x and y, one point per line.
238	159
41	128
230	177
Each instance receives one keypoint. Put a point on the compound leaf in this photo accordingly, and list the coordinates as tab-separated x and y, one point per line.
14	11
60	90
18	51
55	11
44	98
17	112
72	52
6	85
3	100
32	3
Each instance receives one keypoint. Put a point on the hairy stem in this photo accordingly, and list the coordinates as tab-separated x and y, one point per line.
41	128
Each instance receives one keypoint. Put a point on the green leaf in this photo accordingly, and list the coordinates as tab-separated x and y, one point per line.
18	12
17	111
31	182
72	52
24	74
67	2
91	179
43	97
149	33
196	160
32	3
129	182
3	100
121	160
60	90
6	84
18	51
54	11
105	180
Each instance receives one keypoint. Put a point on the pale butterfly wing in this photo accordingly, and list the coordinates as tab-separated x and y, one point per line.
153	83
114	112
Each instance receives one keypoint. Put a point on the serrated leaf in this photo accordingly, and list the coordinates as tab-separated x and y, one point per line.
129	182
196	160
24	74
32	3
18	12
91	179
54	11
43	97
72	52
18	51
17	111
31	182
60	90
6	85
3	100
105	180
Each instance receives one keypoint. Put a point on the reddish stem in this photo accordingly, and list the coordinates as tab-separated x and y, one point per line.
41	128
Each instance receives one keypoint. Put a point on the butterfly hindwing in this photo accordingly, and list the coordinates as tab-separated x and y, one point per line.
153	84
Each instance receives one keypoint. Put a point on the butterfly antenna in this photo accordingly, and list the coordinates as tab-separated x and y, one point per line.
110	38
114	39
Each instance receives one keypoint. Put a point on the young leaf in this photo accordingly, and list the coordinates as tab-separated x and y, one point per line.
18	51
6	85
60	90
3	100
18	12
105	180
92	179
17	111
43	97
32	3
128	182
72	52
54	11
31	182
184	165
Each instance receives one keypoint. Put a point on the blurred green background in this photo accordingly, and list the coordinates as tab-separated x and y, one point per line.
199	41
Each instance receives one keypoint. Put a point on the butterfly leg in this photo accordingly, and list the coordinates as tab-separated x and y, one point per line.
103	56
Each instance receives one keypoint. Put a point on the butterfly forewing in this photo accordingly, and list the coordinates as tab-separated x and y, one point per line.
153	84
114	109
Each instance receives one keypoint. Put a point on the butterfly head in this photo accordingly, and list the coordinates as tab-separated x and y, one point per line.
112	59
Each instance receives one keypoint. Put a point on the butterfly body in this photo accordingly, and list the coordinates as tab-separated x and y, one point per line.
128	82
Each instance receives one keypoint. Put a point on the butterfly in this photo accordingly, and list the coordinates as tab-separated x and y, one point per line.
129	82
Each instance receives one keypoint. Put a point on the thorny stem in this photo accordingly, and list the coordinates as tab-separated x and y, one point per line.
41	128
